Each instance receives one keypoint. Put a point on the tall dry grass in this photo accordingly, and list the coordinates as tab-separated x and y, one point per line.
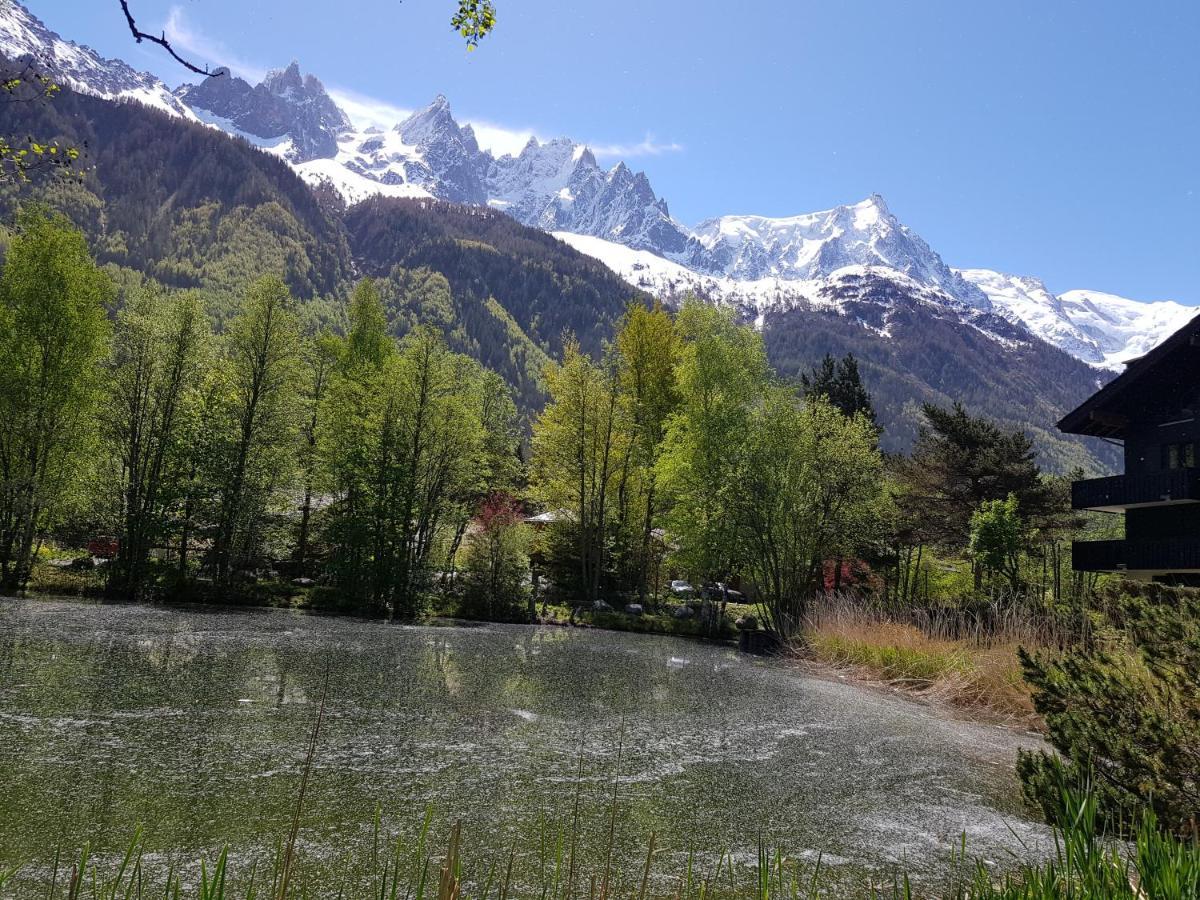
964	658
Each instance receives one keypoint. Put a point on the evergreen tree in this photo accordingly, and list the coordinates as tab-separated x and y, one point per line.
959	462
840	383
1122	711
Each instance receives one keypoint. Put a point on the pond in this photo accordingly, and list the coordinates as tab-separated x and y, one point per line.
195	723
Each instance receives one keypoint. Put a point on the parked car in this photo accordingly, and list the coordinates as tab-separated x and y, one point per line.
718	591
681	588
103	547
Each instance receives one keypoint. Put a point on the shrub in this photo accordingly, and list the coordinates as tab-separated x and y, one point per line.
1126	706
497	562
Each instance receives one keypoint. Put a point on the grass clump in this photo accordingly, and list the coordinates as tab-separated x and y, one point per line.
963	672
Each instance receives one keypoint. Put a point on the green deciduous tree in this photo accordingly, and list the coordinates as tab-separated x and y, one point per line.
578	443
647	351
809	490
405	454
253	421
367	342
160	353
53	337
998	538
319	360
722	376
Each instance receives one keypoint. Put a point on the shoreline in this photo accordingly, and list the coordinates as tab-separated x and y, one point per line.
933	694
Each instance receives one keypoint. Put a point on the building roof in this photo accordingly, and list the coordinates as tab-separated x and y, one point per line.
550	517
1157	383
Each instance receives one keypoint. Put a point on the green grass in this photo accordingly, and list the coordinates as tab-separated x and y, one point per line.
1084	866
892	661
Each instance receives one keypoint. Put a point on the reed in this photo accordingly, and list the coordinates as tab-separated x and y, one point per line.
965	659
1083	866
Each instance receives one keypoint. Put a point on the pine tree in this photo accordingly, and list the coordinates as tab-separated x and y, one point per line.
840	383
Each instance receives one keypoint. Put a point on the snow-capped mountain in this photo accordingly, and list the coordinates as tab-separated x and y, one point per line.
837	289
288	113
23	36
559	186
1102	329
812	246
762	264
556	185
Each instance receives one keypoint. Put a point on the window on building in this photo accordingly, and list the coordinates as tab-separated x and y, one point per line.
1179	456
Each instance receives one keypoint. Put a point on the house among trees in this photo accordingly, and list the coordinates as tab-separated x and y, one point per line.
1151	409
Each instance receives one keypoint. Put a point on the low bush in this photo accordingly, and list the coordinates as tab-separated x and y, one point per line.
1126	705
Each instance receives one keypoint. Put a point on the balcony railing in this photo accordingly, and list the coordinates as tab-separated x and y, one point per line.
1166	555
1120	492
1098	556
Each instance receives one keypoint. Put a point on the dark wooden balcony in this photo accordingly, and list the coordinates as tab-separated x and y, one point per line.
1121	492
1166	555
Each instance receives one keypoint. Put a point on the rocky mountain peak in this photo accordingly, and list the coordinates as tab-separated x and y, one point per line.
287	111
433	123
280	81
79	67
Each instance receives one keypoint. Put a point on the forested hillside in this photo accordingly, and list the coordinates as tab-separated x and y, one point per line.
505	293
191	207
181	202
927	359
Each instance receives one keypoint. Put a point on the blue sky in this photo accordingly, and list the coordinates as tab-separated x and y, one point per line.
1046	137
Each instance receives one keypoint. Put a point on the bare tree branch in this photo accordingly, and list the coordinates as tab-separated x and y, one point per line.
139	36
474	20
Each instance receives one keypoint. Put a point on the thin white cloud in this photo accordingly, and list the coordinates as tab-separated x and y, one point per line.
366	112
498	140
192	43
648	146
370	112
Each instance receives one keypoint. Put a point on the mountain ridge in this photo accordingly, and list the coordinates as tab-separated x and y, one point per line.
557	185
192	207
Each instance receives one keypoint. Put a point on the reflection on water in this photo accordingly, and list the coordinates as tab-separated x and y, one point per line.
195	722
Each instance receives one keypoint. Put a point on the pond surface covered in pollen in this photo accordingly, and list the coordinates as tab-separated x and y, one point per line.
195	723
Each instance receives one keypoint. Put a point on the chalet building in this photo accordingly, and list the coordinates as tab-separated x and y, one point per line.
1151	410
